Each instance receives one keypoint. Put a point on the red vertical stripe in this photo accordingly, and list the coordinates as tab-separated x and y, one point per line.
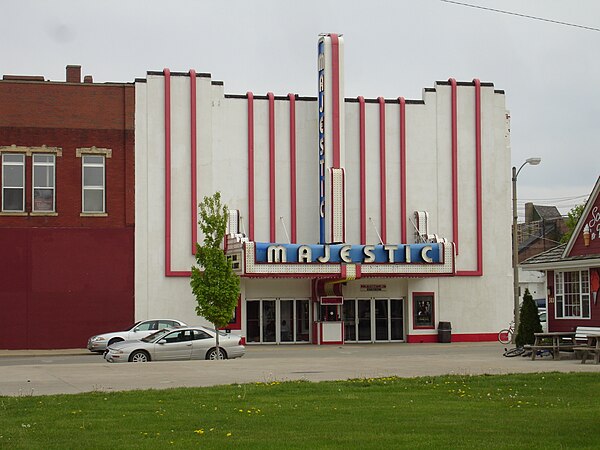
292	98
478	186
272	222
478	175
363	172
194	205
403	232
382	171
454	164
335	98
168	271
167	75
250	166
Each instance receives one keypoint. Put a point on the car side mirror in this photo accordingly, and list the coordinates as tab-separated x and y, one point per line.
162	341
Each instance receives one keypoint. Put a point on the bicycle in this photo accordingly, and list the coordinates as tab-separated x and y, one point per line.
517	351
505	336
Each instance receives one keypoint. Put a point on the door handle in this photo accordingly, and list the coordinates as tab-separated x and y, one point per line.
189	345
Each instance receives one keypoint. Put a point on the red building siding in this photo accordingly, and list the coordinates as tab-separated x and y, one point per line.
66	277
592	220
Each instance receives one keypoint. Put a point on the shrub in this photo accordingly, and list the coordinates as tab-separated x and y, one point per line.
529	321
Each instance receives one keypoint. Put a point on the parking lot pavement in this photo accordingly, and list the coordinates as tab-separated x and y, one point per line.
273	363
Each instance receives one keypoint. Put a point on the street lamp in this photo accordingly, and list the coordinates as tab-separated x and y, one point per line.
515	242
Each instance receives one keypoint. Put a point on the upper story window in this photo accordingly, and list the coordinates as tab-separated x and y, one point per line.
93	195
572	294
43	183
13	182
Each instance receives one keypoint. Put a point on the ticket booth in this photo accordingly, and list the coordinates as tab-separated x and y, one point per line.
328	326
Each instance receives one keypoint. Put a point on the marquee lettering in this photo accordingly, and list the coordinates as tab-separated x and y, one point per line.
349	254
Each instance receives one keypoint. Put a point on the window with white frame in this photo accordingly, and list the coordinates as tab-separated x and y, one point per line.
43	183
572	294
93	198
13	182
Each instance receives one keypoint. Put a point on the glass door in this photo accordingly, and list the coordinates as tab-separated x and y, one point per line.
268	321
277	320
253	321
363	319
349	318
397	319
302	327
381	320
286	327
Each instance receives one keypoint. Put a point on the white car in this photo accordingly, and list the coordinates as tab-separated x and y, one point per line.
182	343
99	342
543	321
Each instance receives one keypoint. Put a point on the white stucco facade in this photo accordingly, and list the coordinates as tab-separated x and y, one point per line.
446	154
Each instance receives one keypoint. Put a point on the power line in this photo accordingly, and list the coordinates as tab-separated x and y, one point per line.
522	15
559	199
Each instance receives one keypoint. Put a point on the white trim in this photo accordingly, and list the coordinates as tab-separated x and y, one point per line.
93	188
52	188
22	164
563	265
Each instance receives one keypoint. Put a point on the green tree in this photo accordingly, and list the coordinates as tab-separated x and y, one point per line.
216	287
573	217
529	321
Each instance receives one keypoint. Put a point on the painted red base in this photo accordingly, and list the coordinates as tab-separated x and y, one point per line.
466	337
59	286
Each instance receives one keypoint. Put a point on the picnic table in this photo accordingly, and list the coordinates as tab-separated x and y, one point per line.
553	342
592	346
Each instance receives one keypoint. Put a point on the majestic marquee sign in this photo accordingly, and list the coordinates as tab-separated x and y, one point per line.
350	254
321	69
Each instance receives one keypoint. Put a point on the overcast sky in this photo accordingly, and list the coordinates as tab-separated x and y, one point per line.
550	72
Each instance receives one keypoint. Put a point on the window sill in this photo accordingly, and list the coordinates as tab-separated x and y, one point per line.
15	213
93	214
40	213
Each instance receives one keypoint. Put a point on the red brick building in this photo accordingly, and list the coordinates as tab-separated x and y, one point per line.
573	272
66	210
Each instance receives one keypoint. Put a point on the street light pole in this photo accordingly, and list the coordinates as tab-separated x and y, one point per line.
515	241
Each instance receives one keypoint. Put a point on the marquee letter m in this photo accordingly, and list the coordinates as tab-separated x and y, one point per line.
276	253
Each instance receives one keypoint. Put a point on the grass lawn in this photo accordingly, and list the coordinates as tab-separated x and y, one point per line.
549	410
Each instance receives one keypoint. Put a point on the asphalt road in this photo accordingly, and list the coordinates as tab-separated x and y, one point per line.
66	372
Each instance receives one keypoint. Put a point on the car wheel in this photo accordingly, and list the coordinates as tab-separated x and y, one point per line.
112	341
139	356
212	354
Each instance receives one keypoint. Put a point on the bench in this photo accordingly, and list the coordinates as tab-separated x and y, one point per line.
553	342
588	342
581	333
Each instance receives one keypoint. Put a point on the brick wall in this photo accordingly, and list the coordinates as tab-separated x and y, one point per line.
64	278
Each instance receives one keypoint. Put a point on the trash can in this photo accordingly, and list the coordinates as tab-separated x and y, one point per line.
445	332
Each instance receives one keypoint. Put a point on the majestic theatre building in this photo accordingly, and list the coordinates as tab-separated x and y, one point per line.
352	219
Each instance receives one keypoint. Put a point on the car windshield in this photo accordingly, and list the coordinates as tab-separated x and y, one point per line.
132	326
156	336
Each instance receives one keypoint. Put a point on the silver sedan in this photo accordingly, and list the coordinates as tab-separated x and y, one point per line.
138	330
177	344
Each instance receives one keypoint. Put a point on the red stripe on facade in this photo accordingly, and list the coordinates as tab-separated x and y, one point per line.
167	75
293	205
193	128
335	98
382	171
272	221
454	114
478	180
403	232
363	172
168	271
250	165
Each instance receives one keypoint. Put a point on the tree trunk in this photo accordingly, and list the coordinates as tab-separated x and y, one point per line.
217	341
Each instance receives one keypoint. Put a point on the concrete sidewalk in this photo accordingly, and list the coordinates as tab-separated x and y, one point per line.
277	363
